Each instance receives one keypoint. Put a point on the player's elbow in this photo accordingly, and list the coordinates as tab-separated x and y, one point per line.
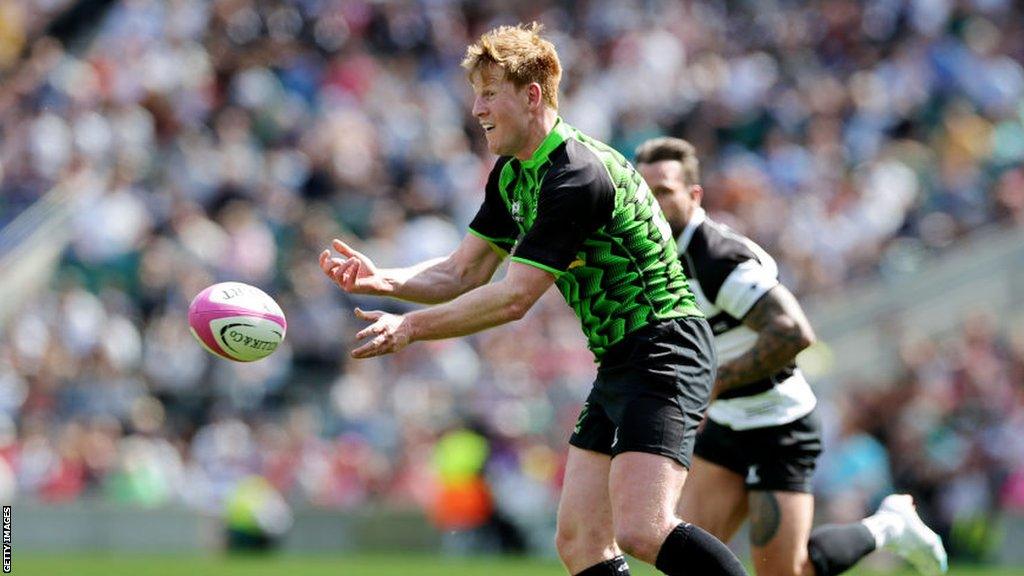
517	301
803	335
517	306
798	334
474	280
810	338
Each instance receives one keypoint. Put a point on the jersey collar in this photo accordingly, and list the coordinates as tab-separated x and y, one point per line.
559	133
698	218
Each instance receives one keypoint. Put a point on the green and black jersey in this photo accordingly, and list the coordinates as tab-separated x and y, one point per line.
579	210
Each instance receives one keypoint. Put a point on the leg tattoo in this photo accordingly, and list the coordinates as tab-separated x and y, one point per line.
765	517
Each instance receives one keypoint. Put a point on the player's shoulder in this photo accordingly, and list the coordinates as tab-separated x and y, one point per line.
575	163
718	257
714	241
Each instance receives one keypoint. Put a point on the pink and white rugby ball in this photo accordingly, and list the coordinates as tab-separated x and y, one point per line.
236	321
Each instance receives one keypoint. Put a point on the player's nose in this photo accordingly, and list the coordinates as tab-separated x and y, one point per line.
479	109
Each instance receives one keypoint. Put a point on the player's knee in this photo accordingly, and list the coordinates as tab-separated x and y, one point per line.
639	539
580	539
565	539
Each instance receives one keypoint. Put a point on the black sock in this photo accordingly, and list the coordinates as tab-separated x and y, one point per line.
615	567
836	547
690	550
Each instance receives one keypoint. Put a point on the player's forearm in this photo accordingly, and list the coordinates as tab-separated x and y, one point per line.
430	282
782	332
476	310
772	352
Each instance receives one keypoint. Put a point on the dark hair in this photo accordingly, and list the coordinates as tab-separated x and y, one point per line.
666	148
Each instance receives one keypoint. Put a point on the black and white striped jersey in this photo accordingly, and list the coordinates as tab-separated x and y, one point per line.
728	274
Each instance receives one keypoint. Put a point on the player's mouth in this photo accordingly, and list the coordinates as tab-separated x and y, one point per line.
487	126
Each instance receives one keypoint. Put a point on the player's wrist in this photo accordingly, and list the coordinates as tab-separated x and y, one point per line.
412	326
386	286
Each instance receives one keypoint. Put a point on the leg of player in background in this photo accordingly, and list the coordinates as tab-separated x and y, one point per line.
780	525
714	498
584	538
896	526
645	490
835	548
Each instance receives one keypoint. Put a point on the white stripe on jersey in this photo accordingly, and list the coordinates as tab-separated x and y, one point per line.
786	402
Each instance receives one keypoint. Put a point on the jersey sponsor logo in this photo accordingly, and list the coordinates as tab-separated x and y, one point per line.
517	211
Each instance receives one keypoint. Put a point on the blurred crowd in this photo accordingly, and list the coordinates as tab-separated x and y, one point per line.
232	139
949	430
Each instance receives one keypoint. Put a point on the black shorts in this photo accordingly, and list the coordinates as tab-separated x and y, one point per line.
651	391
777	458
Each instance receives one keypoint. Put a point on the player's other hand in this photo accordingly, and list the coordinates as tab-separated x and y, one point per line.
388	333
353	272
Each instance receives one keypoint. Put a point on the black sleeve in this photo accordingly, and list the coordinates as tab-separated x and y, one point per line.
574	201
493	222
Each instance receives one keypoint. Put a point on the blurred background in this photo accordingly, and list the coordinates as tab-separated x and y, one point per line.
150	148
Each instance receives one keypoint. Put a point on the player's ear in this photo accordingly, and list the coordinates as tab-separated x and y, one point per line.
697	193
534	95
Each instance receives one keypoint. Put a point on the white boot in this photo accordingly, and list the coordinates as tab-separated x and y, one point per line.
897	527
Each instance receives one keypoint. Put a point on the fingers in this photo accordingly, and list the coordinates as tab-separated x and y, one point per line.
368	314
382	342
326	263
346	250
346	271
342	248
378	346
343	272
376	328
348	277
333	267
368	350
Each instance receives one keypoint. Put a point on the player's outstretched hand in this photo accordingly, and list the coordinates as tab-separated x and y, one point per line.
390	333
354	272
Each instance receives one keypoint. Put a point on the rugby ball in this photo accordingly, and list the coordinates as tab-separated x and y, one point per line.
236	321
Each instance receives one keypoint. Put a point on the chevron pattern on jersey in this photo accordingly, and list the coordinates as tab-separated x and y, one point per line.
630	274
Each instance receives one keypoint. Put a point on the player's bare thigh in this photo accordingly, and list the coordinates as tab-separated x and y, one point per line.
585	536
780	525
645	491
714	498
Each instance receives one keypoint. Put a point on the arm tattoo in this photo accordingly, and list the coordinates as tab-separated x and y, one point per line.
782	332
765	517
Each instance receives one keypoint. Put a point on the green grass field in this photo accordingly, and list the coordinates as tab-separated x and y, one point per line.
357	565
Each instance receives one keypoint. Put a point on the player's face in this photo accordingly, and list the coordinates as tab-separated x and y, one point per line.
503	112
678	200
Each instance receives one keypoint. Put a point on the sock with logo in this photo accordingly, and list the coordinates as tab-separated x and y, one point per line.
615	567
690	550
834	548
